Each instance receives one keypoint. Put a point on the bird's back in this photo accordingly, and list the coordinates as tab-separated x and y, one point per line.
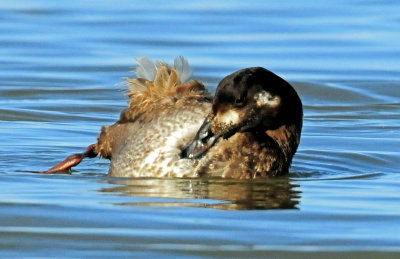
163	116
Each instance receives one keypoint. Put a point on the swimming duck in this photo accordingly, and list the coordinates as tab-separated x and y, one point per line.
173	128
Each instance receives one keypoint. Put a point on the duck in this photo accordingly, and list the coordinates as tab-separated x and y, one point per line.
173	127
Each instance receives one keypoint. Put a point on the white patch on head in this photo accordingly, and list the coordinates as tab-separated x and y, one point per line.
229	117
266	98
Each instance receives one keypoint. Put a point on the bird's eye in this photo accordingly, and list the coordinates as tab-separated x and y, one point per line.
239	102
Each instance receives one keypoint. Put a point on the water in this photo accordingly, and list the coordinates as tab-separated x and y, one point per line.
61	68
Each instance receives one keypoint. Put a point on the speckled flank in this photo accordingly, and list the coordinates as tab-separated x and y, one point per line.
154	148
162	118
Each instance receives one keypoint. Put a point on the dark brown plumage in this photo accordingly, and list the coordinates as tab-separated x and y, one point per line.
253	128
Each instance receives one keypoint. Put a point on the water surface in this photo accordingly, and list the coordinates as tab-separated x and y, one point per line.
61	78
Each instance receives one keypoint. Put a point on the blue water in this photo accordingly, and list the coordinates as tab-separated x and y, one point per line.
62	65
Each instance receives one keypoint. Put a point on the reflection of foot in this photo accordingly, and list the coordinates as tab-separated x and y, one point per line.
72	160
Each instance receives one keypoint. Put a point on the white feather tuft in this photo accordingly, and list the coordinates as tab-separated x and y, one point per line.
147	69
181	65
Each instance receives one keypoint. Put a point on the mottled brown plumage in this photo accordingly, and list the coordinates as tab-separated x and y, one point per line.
162	118
172	127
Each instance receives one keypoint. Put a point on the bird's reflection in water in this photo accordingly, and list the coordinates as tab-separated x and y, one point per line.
229	194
